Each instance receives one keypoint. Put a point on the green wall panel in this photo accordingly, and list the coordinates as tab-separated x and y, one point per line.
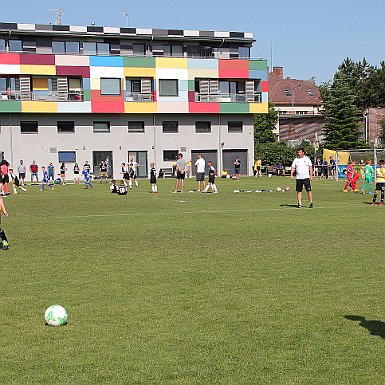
139	62
10	106
234	108
258	64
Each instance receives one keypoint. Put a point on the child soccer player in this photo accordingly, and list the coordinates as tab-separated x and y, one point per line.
122	188
87	177
154	187
45	181
3	237
16	182
113	187
380	184
211	183
368	172
352	176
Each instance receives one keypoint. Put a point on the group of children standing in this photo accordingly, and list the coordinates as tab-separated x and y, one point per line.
368	172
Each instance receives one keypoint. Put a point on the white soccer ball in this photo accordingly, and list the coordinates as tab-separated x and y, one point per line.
279	189
56	315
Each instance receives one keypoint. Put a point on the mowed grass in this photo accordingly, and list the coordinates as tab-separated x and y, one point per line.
193	288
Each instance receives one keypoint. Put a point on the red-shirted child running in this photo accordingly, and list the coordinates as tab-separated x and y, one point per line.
352	176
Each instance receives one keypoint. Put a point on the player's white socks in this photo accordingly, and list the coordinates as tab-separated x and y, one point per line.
129	184
136	183
214	188
156	188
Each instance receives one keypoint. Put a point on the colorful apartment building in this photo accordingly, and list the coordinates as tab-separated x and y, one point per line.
77	93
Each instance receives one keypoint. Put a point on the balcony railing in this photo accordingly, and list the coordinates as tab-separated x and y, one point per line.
138	97
71	96
228	98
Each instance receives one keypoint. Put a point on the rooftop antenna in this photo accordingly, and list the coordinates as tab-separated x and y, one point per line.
125	14
59	14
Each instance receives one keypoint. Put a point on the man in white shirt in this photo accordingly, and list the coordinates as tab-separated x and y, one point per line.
200	165
304	174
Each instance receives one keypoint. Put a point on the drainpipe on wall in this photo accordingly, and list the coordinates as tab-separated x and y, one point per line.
11	139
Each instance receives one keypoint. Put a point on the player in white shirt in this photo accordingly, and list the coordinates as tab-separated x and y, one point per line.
303	168
200	165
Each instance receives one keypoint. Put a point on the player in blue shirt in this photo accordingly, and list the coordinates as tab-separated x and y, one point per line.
45	181
87	177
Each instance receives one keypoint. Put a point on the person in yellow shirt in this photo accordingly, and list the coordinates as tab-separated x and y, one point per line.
257	167
3	238
380	183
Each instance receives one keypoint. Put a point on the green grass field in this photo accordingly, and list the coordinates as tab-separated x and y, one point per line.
193	288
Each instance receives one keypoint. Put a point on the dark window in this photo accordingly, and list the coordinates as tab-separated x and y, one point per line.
202	127
170	126
2	45
235	126
138	49
65	126
69	47
67	156
135	127
287	92
110	86
168	87
15	46
170	155
29	127
101	126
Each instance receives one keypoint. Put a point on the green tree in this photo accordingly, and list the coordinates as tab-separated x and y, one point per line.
341	127
264	124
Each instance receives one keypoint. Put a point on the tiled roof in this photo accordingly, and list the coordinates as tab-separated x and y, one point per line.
293	91
119	31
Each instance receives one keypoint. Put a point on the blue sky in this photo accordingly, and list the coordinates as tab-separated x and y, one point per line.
309	38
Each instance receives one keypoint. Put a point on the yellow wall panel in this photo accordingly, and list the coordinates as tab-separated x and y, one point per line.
139	72
40	84
210	73
140	107
95	83
38	69
165	62
39	107
259	108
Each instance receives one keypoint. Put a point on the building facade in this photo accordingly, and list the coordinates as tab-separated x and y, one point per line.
77	93
299	106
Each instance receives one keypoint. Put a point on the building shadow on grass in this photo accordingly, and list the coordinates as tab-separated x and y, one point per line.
376	328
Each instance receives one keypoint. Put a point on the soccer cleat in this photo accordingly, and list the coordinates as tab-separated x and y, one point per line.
345	191
373	204
4	245
311	205
362	192
299	206
356	191
381	203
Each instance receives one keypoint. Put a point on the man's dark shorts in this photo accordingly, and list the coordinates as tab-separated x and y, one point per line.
180	175
380	186
200	176
300	183
22	175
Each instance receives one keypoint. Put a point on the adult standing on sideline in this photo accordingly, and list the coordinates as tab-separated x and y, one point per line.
21	170
304	174
257	167
237	168
34	168
200	164
181	168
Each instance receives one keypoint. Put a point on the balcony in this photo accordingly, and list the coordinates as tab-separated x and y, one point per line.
71	96
138	97
228	98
